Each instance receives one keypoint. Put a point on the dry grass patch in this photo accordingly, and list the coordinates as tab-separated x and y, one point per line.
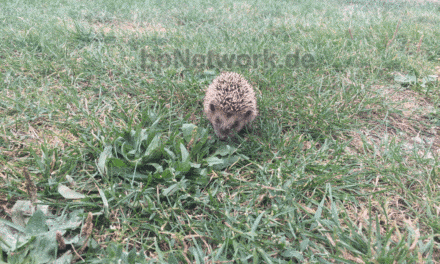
137	28
405	124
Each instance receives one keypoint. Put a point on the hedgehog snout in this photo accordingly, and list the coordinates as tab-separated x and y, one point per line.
222	134
225	131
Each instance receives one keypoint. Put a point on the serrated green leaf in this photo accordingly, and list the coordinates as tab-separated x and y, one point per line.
66	258
21	211
105	154
203	172
172	259
159	168
175	187
264	255
170	153
66	221
8	236
167	173
195	165
158	251
255	225
154	145
68	193
114	162
405	79
210	72
36	224
188	130
45	246
184	152
104	201
183	166
213	161
225	150
131	258
304	244
318	212
333	208
290	253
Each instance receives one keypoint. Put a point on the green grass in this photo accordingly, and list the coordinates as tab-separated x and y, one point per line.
340	166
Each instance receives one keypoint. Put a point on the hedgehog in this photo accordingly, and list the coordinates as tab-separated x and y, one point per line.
230	104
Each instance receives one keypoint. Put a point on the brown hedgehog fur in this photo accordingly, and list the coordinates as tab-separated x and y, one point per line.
230	104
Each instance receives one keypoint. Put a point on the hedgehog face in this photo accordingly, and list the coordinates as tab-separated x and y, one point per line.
227	124
229	104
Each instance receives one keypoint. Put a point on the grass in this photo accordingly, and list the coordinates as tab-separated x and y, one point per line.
102	127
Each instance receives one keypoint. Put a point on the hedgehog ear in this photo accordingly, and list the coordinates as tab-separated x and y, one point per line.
212	107
248	113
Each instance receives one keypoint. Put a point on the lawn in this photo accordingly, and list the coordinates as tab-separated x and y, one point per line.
107	157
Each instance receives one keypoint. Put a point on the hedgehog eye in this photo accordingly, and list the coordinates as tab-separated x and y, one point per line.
248	114
228	115
212	107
